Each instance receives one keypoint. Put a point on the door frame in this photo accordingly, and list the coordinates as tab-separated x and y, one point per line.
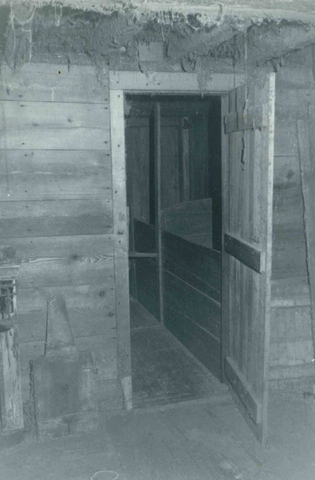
121	83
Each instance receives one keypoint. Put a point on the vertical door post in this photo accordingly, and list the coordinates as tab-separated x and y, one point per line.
158	231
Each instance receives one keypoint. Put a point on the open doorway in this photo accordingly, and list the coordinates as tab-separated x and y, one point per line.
173	160
247	189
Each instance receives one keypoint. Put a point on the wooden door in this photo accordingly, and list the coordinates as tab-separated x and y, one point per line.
247	236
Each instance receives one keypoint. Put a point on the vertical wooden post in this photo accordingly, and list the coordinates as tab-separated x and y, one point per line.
10	382
225	182
133	264
306	143
185	160
158	231
121	243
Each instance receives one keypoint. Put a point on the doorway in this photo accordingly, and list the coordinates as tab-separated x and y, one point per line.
247	186
173	161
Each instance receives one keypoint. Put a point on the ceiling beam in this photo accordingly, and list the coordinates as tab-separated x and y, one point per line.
255	9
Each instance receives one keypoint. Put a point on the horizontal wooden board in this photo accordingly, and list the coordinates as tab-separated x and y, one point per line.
240	121
190	224
72	260
202	239
200	343
245	253
92	343
38	125
54	173
185	208
91	310
50	272
201	262
54	83
86	321
243	390
171	111
193	304
78	297
177	82
213	292
142	255
69	247
55	217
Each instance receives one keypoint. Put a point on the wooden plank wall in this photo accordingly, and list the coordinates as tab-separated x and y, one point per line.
56	206
190	220
291	344
192	298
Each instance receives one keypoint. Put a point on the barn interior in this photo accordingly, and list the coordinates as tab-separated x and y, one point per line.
156	234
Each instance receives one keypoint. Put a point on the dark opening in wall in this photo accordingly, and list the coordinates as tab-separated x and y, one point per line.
7	299
190	144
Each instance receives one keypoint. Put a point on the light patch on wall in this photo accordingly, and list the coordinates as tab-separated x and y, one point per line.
151	52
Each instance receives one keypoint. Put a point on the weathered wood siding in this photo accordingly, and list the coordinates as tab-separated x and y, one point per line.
291	341
56	206
192	298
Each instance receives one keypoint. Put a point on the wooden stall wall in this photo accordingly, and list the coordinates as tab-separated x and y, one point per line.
291	351
192	298
56	208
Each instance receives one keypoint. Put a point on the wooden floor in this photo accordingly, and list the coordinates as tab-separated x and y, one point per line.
163	371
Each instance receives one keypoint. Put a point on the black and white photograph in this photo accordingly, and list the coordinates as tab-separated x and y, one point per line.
157	240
